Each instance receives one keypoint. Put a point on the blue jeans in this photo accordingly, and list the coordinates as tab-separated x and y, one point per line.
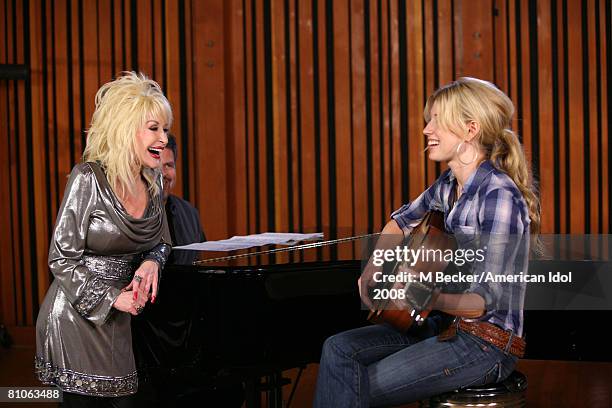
378	366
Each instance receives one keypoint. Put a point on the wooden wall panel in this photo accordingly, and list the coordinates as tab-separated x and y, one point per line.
560	120
297	115
7	294
209	107
473	38
604	93
306	127
322	102
38	152
575	111
237	203
416	98
341	159
374	91
175	67
291	35
361	219
261	143
545	112
279	107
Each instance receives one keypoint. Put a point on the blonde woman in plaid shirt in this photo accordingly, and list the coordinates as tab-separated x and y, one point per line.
487	193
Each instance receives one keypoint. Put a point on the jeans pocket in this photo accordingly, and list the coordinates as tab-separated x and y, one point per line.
491	376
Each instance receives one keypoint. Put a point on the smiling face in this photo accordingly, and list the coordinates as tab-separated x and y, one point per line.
151	139
441	143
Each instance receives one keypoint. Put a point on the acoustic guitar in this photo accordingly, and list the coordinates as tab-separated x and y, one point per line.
429	234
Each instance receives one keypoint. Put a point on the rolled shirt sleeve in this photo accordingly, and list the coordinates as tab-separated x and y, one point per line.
409	215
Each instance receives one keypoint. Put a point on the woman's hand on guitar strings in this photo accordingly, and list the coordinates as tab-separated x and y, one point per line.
365	283
409	276
399	301
391	236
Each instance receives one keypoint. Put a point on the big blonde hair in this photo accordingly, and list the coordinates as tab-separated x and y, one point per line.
471	99
122	108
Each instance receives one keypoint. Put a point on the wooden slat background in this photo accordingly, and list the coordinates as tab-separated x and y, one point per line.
297	115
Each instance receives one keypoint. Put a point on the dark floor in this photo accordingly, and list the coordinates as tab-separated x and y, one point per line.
551	383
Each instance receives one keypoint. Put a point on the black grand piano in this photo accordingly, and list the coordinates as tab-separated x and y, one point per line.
245	320
222	331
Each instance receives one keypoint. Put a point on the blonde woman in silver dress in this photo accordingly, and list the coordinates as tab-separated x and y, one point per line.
108	247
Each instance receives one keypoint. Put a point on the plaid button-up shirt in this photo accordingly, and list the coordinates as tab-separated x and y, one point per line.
492	215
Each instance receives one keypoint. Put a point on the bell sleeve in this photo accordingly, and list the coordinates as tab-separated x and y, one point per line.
91	296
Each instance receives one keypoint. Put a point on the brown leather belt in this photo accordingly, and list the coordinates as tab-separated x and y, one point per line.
489	333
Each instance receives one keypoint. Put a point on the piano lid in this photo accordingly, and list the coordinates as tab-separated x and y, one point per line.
343	247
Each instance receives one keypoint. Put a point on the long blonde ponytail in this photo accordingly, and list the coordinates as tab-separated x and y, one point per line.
507	155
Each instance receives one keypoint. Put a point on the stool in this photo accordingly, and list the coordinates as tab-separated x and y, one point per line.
509	393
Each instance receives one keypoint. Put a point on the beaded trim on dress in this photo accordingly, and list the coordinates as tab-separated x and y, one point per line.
87	384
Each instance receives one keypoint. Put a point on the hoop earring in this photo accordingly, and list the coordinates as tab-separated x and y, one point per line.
459	156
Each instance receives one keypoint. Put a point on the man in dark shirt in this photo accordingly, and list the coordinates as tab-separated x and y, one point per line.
183	218
165	337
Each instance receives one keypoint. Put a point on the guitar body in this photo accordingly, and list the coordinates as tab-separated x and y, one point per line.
428	234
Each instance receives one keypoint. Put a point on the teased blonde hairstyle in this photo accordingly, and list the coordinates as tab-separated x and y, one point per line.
122	108
471	99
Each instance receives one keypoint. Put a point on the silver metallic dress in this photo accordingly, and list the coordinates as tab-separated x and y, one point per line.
83	345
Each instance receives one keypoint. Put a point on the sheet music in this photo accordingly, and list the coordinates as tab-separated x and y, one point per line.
253	240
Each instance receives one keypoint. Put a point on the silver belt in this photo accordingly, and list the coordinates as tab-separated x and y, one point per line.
112	267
